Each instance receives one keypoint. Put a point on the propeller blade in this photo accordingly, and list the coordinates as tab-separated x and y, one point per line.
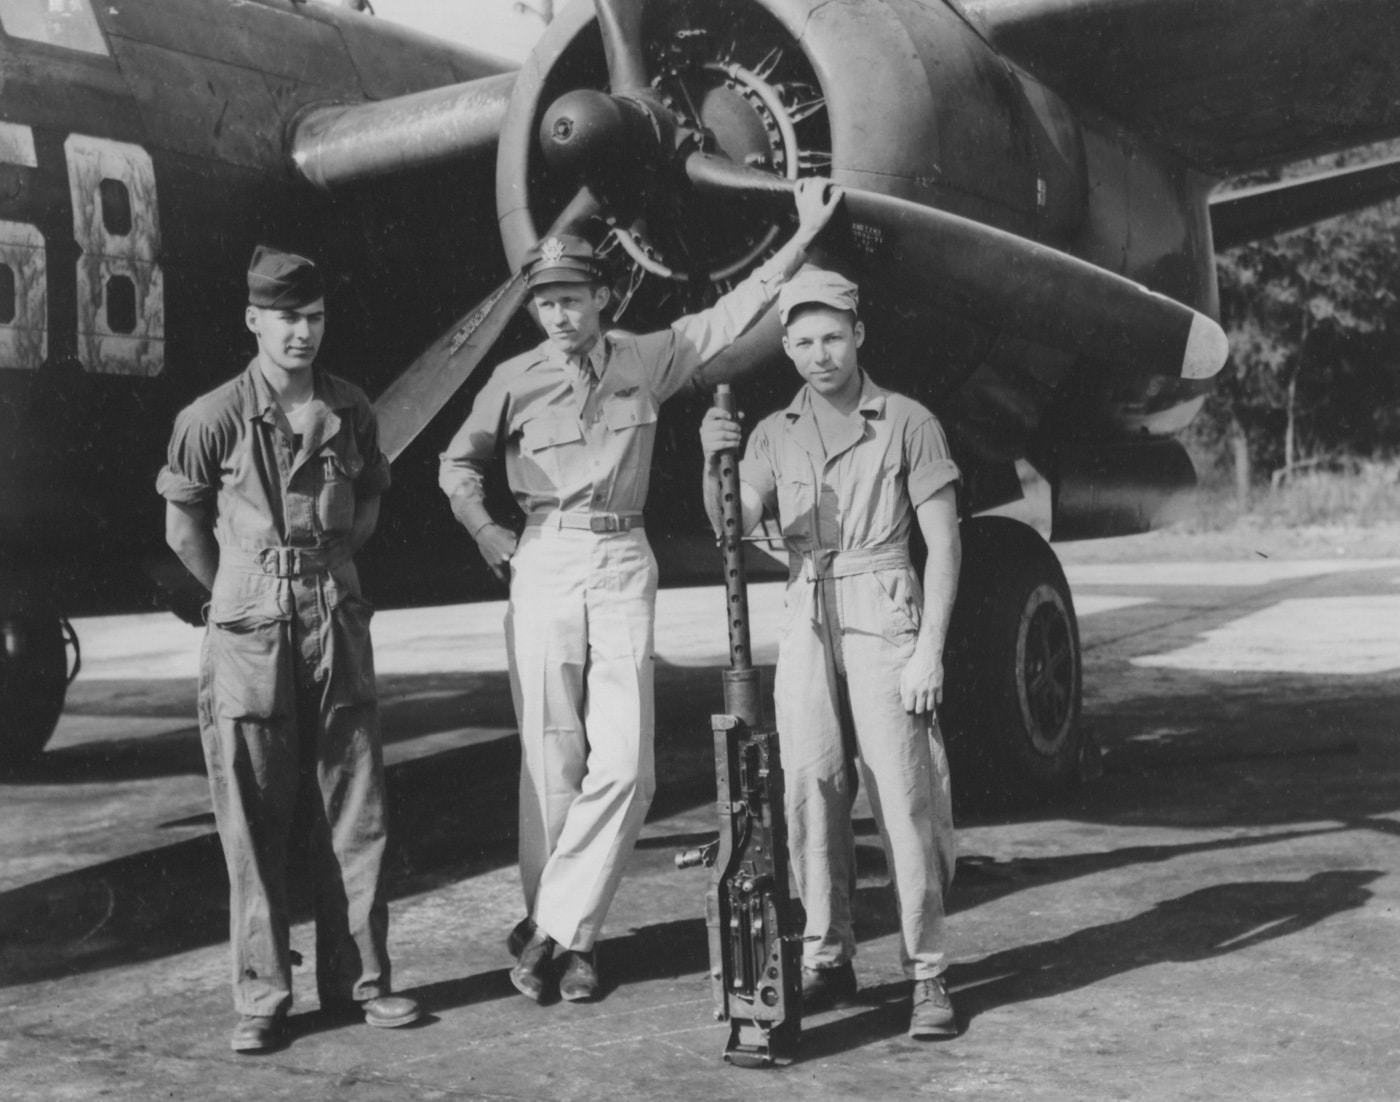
1008	282
621	24
413	399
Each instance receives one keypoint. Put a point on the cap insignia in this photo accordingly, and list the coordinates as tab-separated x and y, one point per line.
552	250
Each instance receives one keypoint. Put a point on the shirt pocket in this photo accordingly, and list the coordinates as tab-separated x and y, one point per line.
335	493
624	414
544	441
541	433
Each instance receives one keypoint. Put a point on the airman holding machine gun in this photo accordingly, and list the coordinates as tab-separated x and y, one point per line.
846	469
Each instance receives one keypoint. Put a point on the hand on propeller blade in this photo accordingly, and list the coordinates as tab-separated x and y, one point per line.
817	200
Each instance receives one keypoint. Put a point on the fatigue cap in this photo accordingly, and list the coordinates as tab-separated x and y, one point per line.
562	258
817	287
283	281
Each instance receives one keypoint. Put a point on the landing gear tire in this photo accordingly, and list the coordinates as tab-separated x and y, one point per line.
34	677
1013	671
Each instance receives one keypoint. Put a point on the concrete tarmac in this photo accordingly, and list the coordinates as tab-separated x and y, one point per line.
1216	916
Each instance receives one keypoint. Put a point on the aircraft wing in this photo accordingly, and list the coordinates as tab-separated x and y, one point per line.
1230	85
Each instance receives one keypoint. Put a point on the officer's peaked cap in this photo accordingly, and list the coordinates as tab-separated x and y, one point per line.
283	281
562	258
817	287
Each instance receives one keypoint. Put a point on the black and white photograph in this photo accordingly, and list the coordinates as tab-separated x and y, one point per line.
700	550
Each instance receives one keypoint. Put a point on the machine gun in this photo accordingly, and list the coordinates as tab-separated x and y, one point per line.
755	955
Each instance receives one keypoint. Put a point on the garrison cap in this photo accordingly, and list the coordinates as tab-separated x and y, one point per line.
817	287
562	258
283	281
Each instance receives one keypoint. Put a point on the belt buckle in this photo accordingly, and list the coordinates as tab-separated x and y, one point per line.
279	562
604	522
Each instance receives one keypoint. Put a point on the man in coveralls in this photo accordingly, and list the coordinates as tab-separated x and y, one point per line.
271	485
846	469
577	419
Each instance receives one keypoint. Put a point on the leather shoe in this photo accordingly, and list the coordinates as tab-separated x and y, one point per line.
932	1014
826	987
383	1011
523	932
391	1011
532	969
257	1034
578	982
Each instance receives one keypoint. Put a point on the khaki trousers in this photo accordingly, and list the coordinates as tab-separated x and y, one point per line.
844	645
579	633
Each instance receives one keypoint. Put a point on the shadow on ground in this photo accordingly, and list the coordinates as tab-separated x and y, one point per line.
1194	753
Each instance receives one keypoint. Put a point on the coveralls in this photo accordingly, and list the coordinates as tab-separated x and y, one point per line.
287	705
578	441
852	613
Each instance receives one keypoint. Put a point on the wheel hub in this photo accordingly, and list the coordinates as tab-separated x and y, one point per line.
1045	656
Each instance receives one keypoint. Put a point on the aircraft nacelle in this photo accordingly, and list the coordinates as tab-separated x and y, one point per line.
908	101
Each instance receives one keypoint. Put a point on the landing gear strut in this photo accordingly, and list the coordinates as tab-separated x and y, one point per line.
1013	671
34	679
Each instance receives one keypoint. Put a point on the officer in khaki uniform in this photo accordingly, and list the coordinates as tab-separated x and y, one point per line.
846	469
272	483
576	419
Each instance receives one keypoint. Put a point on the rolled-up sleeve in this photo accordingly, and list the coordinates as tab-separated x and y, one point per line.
676	353
928	461
375	477
191	475
758	468
462	467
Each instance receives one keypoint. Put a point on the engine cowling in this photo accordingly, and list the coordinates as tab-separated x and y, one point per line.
902	99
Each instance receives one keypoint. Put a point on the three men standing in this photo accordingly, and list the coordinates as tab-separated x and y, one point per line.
576	418
846	469
272	483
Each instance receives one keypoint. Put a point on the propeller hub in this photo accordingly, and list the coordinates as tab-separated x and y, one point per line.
590	135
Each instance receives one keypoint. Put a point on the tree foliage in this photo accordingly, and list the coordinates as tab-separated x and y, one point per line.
1314	323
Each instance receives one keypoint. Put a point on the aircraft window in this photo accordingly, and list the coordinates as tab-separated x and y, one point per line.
7	294
121	304
116	207
66	23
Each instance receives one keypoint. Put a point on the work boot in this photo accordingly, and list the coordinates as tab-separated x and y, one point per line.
823	988
524	930
578	982
932	1014
255	1034
532	969
391	1011
383	1011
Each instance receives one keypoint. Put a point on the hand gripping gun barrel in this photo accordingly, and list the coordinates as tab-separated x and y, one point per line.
755	955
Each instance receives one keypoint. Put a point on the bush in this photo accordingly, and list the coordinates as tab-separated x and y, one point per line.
1347	492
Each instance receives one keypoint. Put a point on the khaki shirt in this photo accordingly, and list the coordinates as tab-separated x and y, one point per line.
859	492
582	442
